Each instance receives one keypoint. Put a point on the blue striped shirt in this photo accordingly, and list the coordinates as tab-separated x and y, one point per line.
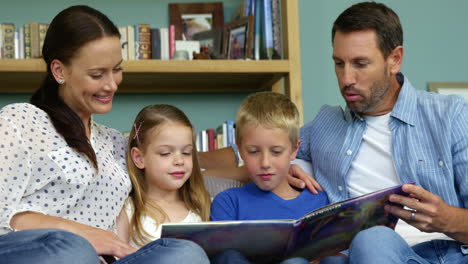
429	144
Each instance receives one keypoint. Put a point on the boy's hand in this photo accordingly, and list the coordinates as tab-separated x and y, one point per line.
300	179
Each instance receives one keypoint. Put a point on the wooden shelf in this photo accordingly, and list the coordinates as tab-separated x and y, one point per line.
148	76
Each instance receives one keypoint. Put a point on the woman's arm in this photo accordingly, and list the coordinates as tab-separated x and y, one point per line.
105	242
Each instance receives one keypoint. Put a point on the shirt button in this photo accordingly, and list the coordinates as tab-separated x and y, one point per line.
349	152
340	188
441	163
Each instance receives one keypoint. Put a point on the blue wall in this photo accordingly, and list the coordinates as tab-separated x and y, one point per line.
435	44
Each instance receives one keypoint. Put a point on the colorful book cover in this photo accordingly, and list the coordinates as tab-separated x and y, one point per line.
320	233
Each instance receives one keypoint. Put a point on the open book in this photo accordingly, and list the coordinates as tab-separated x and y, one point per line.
320	233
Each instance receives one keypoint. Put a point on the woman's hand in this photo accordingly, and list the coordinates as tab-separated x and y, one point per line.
300	179
106	242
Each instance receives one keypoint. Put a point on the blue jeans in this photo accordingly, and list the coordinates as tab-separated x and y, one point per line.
235	257
52	246
383	245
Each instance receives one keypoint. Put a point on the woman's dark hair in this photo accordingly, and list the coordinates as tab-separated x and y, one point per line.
70	30
374	16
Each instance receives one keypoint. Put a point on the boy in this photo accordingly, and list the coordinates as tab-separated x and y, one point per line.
267	135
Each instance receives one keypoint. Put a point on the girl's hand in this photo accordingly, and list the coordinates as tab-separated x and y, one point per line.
300	179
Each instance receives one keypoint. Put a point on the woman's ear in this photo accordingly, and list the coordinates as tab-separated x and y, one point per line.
58	71
137	158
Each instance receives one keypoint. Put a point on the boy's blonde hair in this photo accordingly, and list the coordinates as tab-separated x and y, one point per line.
193	192
270	110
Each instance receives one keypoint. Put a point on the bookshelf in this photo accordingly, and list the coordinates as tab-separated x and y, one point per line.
156	76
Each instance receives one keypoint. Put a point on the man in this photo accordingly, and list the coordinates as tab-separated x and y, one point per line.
389	134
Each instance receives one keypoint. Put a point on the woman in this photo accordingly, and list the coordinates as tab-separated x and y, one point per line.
60	169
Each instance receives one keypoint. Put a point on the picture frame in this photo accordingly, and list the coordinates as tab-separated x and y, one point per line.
238	38
458	88
191	18
210	41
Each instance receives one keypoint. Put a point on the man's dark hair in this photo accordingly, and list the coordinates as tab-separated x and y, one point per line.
372	16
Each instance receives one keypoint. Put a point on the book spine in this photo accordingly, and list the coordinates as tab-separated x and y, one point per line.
42	33
267	31
211	139
155	44
136	35
17	45
258	29
144	43
131	42
172	47
8	40
124	42
21	42
35	44
230	132
164	43
276	21
27	41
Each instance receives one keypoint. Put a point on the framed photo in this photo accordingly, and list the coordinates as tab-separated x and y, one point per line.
210	41
238	38
192	18
458	88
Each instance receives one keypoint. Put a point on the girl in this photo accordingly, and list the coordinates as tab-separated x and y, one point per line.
166	177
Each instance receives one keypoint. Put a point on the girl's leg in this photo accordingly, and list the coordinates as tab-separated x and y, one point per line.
46	246
167	250
295	261
229	256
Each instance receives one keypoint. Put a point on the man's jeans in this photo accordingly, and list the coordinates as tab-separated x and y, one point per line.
382	245
52	246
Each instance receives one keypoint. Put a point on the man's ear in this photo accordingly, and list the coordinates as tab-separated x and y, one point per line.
395	60
137	158
58	71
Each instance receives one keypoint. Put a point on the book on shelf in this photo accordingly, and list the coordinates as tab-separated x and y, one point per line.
276	26
27	41
35	44
42	33
131	42
155	44
267	30
123	42
320	233
8	40
144	41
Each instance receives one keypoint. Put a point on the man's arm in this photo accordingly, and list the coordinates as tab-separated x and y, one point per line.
220	158
431	213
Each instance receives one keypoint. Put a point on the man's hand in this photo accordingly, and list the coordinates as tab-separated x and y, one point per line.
429	213
300	179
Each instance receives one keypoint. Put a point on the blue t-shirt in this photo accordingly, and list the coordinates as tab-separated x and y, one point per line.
252	203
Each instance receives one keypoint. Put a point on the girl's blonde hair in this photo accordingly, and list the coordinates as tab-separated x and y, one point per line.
193	192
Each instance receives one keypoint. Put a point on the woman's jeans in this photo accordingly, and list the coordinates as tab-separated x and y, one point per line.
52	246
384	246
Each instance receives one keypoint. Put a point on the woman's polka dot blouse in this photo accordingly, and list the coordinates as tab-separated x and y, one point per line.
40	173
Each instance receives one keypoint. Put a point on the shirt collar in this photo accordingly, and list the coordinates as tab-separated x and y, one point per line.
406	104
405	107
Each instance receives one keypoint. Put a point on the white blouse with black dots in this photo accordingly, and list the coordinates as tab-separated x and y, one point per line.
39	172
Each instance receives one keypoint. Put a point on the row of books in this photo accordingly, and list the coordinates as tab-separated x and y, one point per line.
267	31
211	139
22	43
142	42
